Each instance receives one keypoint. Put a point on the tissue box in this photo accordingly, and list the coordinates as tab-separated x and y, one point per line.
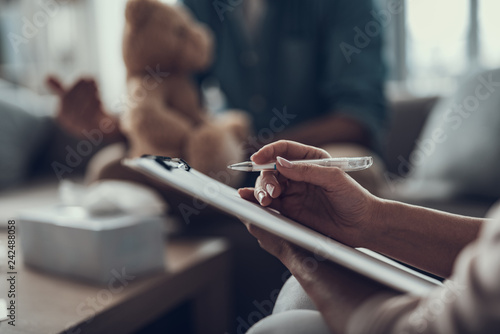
68	241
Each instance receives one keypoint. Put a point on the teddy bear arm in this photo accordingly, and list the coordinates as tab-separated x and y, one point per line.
183	97
157	129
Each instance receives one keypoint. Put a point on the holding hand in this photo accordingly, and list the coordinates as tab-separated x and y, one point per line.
329	201
325	199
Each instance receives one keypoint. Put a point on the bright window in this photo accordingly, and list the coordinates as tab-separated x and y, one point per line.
489	31
429	46
110	20
436	41
440	41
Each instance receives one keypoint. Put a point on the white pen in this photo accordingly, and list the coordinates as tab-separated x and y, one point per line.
346	164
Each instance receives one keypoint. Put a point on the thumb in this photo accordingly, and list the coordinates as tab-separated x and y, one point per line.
321	176
55	85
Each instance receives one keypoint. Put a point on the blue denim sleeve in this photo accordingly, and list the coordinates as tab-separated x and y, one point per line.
352	79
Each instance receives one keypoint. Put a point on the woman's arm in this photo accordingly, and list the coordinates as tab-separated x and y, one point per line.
424	238
331	202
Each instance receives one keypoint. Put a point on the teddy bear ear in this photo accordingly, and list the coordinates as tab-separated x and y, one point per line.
138	11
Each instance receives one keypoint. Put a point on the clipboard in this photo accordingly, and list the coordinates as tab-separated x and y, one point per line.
179	175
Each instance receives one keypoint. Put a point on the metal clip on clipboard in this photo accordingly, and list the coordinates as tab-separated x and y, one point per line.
169	163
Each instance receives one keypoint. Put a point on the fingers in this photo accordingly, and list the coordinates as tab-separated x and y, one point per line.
288	149
254	230
85	87
264	237
55	85
267	188
261	194
248	194
251	195
324	177
85	96
273	244
270	183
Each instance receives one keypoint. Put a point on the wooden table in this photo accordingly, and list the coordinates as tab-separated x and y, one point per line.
197	270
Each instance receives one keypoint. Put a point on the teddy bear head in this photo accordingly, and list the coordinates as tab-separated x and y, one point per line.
164	36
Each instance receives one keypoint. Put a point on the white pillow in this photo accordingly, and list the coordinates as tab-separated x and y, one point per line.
458	152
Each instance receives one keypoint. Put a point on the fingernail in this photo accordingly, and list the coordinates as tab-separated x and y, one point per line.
284	163
261	196
270	189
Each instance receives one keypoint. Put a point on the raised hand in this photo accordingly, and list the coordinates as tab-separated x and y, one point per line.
80	106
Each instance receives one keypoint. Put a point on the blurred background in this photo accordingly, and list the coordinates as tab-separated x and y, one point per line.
427	48
82	37
431	49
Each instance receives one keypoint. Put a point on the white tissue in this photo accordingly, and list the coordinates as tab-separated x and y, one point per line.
99	228
110	197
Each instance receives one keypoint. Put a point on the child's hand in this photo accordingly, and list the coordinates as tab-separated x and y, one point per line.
80	106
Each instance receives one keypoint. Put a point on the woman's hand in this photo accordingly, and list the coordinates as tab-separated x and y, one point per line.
323	198
336	291
280	248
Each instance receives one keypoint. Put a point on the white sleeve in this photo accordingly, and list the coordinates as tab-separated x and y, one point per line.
468	303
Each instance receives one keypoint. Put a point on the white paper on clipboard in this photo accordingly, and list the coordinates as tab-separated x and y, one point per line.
180	176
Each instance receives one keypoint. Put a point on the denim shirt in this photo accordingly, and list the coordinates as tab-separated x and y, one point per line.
301	63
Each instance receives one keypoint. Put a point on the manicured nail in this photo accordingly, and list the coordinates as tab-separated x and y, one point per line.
284	163
261	196
270	189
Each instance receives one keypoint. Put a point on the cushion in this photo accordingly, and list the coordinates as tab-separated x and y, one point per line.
458	152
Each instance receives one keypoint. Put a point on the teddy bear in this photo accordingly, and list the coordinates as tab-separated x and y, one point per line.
163	46
164	116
